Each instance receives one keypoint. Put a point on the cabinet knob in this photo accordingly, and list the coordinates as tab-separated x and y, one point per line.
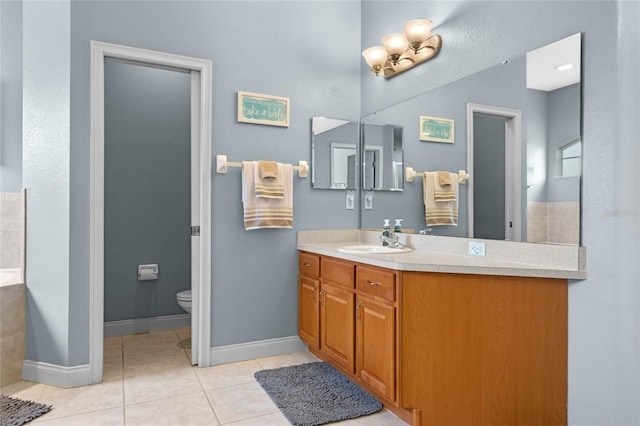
374	283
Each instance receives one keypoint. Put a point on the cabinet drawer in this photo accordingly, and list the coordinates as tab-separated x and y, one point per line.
376	282
309	264
338	272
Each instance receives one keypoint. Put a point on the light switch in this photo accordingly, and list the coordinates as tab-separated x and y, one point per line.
368	200
351	200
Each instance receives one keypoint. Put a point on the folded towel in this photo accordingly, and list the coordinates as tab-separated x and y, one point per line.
444	178
439	212
271	187
268	169
444	192
261	212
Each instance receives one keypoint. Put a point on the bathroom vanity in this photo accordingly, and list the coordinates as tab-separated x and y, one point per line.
451	340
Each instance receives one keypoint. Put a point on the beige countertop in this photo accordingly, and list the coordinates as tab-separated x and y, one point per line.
430	255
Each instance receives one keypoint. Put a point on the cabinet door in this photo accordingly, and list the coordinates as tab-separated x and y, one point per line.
337	325
308	311
376	345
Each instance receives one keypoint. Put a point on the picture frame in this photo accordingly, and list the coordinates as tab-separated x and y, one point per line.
268	110
435	129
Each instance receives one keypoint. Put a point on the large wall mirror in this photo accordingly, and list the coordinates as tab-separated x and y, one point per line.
382	157
517	132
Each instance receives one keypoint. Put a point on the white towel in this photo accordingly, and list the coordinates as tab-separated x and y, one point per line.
439	212
268	187
260	212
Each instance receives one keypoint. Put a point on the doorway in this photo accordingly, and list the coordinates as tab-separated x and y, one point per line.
200	180
494	164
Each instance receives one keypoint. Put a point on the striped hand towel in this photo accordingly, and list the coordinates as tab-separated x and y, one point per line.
261	212
444	191
268	187
439	212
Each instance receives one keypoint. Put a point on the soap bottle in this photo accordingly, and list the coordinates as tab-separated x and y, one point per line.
397	228
386	232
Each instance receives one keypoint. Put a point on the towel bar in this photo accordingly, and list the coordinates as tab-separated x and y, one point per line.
410	174
221	166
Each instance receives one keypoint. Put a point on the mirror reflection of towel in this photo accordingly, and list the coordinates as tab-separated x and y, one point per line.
439	212
444	191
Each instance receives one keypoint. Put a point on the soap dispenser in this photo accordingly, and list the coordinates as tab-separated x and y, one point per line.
397	228
386	232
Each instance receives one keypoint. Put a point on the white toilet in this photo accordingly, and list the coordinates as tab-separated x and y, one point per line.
184	300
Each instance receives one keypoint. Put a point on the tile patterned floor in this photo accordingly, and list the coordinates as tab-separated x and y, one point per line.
149	380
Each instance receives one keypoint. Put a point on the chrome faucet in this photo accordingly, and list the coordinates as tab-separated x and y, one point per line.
391	240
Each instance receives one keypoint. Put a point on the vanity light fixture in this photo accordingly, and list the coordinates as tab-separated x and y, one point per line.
404	50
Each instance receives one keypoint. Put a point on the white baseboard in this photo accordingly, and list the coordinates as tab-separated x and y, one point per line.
145	325
57	375
257	349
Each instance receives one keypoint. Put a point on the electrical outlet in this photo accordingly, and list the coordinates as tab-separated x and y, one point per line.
368	200
350	201
476	248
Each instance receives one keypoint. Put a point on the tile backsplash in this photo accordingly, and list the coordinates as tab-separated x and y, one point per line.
12	229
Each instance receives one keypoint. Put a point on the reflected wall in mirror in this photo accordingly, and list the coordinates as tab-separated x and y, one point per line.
334	152
547	158
382	157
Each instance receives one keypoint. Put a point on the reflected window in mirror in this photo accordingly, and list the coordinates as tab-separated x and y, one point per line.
569	159
334	151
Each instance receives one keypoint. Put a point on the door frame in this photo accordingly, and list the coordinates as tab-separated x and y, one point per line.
513	167
200	70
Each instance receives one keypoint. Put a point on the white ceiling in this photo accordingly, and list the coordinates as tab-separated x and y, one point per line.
541	63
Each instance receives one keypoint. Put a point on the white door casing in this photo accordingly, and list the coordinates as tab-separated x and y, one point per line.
200	70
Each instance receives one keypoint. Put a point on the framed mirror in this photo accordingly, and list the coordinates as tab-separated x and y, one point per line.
334	152
542	192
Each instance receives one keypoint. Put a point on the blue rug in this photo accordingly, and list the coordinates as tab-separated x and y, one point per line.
316	394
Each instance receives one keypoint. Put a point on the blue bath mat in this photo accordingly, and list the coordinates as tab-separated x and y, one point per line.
315	394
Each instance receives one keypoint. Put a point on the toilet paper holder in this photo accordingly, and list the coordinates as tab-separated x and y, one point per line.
148	272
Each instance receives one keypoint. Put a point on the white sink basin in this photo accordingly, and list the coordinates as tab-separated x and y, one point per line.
372	249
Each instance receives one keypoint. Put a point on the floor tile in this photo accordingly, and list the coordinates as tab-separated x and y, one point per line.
110	417
80	400
190	410
152	362
161	385
383	418
112	368
150	342
112	347
220	376
287	360
28	391
275	419
254	402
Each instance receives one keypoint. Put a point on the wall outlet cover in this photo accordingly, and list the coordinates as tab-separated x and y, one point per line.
476	248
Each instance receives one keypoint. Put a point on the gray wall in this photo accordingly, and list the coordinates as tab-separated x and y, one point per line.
604	370
147	189
253	272
604	366
501	86
536	125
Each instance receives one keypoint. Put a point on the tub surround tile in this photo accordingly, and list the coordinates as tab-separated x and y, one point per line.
12	354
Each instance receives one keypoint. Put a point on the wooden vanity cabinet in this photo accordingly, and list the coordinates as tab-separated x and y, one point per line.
441	348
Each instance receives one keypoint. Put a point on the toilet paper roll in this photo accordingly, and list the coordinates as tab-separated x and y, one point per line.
147	272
